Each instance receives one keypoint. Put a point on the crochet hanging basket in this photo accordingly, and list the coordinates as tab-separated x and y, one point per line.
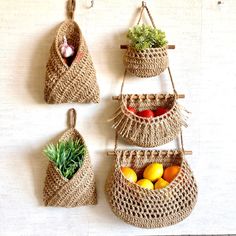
75	83
146	63
149	62
151	208
79	190
149	132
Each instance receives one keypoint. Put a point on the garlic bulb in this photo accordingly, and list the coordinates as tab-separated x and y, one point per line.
66	49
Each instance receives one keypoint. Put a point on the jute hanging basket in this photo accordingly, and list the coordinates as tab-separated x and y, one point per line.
149	132
75	83
146	63
151	208
149	62
79	190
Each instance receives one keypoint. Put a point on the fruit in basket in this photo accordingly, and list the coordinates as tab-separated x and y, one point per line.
160	111
132	109
129	174
146	113
145	183
170	173
161	183
153	172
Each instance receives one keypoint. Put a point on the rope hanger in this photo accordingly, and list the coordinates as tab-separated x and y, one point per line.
71	5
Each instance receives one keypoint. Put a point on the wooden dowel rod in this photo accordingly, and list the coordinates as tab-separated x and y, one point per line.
143	96
155	152
126	46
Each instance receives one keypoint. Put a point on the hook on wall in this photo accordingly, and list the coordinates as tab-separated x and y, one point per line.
92	4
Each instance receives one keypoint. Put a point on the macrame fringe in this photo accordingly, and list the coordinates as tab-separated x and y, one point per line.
150	133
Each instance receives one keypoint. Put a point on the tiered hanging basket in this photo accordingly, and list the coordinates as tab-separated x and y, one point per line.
151	208
149	132
146	63
80	189
149	62
75	83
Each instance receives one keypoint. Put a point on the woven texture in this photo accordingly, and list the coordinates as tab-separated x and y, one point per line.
151	208
149	132
146	63
78	191
74	83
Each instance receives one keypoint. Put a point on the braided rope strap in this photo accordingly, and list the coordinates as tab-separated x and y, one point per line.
149	62
149	132
75	83
78	191
151	208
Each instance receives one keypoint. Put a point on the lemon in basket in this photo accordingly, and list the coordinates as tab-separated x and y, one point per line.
161	183
129	174
153	172
145	183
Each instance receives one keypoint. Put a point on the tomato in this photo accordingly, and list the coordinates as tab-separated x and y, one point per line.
146	113
160	111
132	109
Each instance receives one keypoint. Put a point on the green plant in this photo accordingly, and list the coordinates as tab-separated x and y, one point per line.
68	156
144	36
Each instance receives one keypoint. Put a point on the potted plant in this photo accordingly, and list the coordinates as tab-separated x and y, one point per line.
147	51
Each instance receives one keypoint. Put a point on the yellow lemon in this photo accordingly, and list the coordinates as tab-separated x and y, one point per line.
145	183
161	183
129	174
153	172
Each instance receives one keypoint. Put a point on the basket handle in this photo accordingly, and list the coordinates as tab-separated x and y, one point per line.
144	7
171	79
71	4
72	118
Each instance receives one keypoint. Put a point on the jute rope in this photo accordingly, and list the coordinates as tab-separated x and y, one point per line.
75	83
78	191
144	7
71	5
149	62
146	132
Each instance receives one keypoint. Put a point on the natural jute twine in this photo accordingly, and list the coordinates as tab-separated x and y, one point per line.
78	191
75	83
151	208
149	62
149	132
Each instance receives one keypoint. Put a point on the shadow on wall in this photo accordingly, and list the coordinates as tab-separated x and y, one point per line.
38	165
36	76
102	172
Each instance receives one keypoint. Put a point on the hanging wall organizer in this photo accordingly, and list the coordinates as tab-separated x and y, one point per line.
71	78
132	203
80	189
146	132
148	62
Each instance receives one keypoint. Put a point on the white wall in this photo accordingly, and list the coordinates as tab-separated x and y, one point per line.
203	66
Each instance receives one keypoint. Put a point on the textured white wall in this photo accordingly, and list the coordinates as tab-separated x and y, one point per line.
203	66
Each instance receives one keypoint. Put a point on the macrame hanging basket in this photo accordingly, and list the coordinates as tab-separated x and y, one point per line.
80	189
75	83
151	208
149	62
149	132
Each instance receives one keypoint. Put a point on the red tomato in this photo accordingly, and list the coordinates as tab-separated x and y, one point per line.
160	111
132	109
146	113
